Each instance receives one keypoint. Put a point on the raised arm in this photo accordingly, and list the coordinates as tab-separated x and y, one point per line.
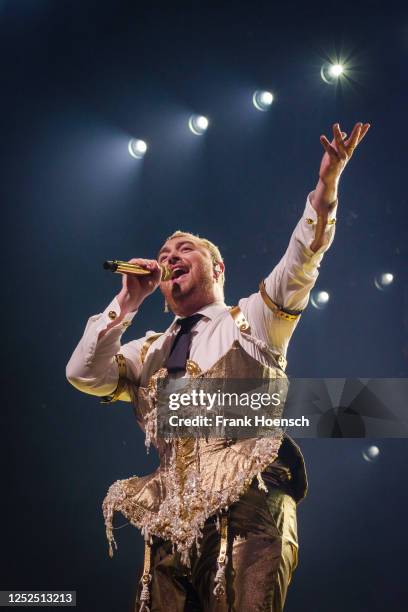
337	155
275	310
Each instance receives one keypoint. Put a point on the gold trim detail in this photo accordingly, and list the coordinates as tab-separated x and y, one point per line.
243	326
310	221
147	344
121	386
220	579
121	361
112	315
146	563
240	320
146	578
192	368
224	539
279	311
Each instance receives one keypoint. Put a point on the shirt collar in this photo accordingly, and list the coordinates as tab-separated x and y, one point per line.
210	311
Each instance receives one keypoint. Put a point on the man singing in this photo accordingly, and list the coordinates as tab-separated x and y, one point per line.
218	515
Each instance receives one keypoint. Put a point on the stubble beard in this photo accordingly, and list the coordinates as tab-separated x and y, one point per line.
199	293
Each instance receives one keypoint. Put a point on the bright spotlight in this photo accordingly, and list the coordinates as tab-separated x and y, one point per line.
198	124
384	280
262	100
371	453
319	299
330	73
137	148
336	70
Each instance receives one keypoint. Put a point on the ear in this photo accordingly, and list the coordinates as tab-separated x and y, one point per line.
219	269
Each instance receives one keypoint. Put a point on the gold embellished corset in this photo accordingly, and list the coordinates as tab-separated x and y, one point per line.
197	477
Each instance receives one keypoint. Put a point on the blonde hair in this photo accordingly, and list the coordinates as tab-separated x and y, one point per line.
207	244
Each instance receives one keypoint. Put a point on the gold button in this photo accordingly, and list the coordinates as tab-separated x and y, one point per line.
112	315
332	221
126	323
243	326
309	221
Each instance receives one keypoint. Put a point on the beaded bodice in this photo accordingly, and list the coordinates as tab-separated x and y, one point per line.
197	477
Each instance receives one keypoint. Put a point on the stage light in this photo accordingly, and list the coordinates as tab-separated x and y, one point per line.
384	280
319	299
137	148
330	73
336	70
262	100
371	453
198	124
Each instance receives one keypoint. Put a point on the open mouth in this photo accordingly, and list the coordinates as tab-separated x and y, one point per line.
178	273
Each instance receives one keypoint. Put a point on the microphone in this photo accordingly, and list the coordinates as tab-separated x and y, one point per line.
125	266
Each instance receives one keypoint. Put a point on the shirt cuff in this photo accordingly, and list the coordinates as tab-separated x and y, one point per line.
111	313
309	224
310	214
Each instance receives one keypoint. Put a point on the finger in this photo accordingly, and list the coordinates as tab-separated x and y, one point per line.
339	141
143	263
363	132
354	130
151	265
330	150
155	265
354	138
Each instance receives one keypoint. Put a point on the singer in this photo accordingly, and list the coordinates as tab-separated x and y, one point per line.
218	516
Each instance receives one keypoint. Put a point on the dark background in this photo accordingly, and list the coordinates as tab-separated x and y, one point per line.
78	80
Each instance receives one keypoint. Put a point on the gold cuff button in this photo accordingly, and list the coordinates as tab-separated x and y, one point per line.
331	221
126	323
309	221
112	315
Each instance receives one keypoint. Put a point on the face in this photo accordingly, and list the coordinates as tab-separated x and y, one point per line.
193	283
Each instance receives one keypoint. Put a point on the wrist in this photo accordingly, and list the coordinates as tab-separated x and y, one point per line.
324	198
127	303
330	180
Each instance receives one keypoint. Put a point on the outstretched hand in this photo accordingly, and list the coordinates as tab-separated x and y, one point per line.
339	152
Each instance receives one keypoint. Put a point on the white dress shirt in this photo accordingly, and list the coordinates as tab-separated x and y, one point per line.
93	368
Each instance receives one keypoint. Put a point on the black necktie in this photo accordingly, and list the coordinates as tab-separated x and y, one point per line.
180	350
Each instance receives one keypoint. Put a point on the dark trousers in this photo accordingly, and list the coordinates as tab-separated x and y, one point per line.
262	555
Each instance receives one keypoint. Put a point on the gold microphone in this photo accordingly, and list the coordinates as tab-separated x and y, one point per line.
125	266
